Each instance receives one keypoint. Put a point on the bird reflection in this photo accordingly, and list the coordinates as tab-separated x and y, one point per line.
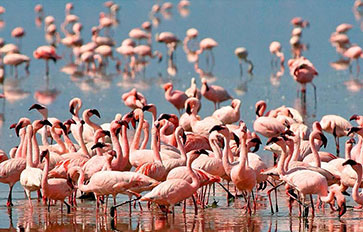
276	76
12	90
353	85
204	74
341	64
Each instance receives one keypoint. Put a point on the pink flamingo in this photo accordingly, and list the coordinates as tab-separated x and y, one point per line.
56	188
267	126
15	59
46	53
186	118
175	97
354	53
356	151
173	191
156	168
214	93
303	72
31	176
357	167
10	174
275	48
207	44
335	125
18	32
229	114
134	99
193	90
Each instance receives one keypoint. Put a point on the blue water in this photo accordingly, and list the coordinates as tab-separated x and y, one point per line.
251	24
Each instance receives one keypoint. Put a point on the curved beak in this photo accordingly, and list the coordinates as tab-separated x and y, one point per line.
95	112
37	107
323	139
46	122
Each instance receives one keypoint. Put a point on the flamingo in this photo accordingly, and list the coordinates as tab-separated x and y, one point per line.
56	188
214	93
275	48
303	72
357	167
356	151
46	53
15	59
335	125
155	169
173	191
31	176
134	99
175	97
229	114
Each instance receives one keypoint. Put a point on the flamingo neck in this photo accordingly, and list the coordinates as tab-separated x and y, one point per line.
280	165
29	151
80	184
226	163
215	148
84	149
44	136
136	141
69	144
22	143
45	174
155	146
243	154
181	148
88	121
117	163
35	149
313	149
195	180
125	146
56	138
355	190
348	149
146	138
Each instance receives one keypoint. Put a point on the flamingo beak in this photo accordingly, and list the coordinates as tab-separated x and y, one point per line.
272	140
98	145
71	109
37	107
236	138
17	128
324	139
123	123
46	122
342	210
95	112
353	130
188	110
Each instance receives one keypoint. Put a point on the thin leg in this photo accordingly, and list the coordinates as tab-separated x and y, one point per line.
195	206
314	93
312	205
68	207
10	203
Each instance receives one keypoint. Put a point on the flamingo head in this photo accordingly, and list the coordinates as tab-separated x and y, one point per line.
23	122
98	145
44	154
167	86
353	130
354	117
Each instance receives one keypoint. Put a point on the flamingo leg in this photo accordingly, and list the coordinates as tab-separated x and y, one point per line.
9	202
241	68
312	205
68	207
195	206
314	86
336	138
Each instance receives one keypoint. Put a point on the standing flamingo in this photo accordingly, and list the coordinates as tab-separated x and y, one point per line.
357	167
229	114
303	72
335	125
214	93
56	188
175	97
173	191
46	53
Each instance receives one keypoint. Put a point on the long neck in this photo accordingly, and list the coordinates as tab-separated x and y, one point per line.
81	186
145	139
45	173
314	151
29	150
88	121
355	190
44	136
155	146
136	141
116	163
35	149
69	144
291	156
348	149
84	149
125	147
181	148
226	163
243	154
20	149
280	165
195	180
62	149
215	148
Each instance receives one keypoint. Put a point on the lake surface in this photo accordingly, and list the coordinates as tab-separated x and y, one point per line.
251	24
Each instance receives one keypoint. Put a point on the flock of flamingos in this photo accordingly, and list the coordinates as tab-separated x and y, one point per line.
189	156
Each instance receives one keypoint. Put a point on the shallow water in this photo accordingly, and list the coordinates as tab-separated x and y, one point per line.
252	24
